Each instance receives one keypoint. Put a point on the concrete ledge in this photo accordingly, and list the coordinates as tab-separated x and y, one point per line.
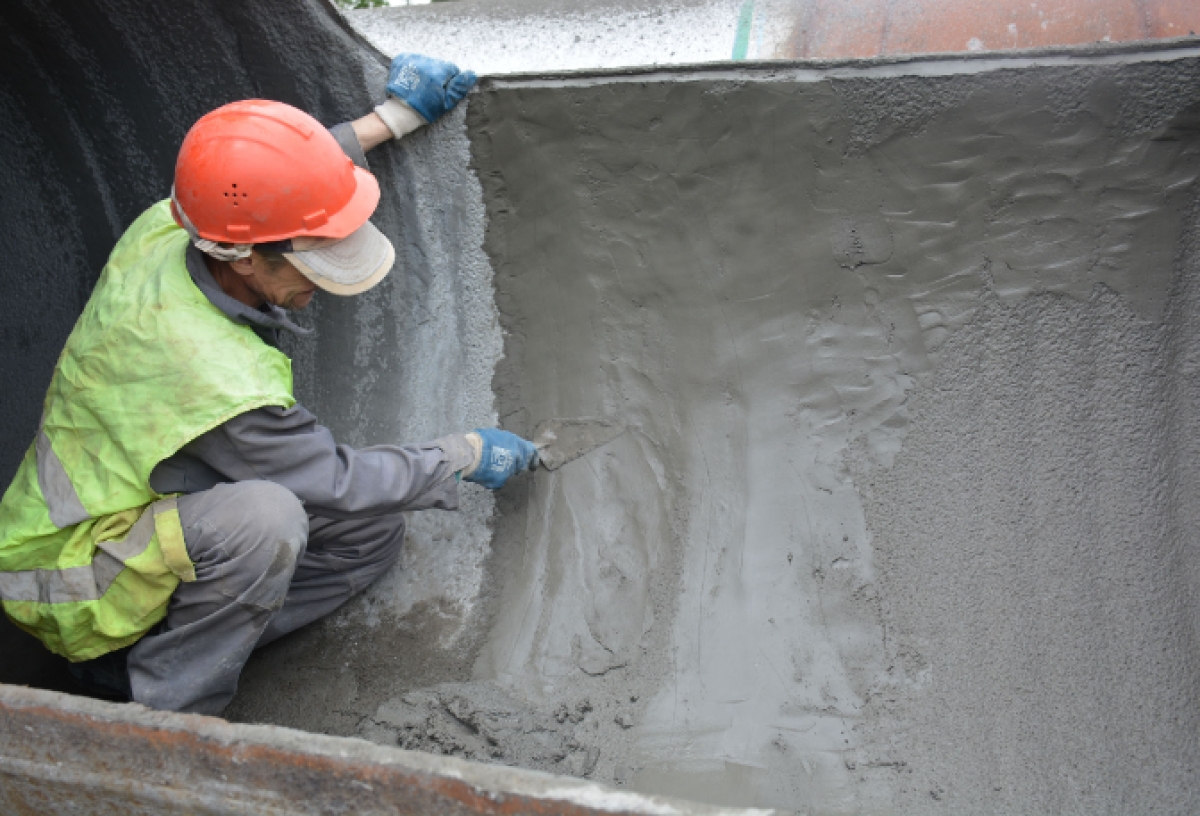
72	755
819	70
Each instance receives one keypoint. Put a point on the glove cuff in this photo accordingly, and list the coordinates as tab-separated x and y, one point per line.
399	117
476	443
460	453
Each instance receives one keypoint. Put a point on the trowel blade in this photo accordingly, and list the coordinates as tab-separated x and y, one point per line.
563	440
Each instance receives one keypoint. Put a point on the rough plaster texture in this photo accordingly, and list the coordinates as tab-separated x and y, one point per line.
902	520
516	36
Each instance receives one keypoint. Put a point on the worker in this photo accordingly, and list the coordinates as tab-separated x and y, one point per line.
177	508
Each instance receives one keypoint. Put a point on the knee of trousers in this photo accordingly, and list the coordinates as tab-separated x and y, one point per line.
247	537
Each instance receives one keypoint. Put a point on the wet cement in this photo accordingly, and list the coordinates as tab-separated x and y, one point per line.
903	520
901	523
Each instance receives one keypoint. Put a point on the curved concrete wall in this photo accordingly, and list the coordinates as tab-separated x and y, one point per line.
904	520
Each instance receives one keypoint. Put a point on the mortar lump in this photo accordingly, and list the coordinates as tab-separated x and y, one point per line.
480	722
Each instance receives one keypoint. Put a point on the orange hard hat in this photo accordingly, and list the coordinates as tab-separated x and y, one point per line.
258	171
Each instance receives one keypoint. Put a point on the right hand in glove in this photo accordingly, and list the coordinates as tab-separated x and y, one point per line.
429	86
501	456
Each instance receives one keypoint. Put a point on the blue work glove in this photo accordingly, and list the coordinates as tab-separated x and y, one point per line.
429	86
504	455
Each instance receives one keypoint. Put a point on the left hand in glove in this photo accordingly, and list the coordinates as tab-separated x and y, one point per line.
502	455
431	87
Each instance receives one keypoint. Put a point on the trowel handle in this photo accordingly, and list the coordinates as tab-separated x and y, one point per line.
536	461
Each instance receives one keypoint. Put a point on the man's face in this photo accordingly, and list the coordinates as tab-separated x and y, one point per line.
279	283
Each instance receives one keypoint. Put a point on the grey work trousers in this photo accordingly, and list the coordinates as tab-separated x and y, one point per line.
264	568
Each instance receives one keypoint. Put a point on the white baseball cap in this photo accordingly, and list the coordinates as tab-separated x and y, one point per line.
342	266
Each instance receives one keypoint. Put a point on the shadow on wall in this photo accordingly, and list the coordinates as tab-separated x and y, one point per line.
94	101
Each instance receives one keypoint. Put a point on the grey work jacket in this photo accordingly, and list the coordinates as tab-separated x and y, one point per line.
289	447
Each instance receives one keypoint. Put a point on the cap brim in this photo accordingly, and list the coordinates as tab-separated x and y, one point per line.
345	266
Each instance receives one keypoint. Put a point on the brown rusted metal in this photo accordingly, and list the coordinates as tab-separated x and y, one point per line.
834	29
68	755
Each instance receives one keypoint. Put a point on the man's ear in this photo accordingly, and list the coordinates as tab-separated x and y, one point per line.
243	266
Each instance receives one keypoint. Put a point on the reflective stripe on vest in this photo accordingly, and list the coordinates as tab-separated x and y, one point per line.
150	365
90	581
61	499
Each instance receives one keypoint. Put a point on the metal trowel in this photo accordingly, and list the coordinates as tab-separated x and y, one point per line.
559	441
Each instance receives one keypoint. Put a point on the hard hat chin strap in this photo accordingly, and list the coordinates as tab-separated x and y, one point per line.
231	252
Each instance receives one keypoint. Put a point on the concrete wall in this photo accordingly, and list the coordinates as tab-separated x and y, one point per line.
904	520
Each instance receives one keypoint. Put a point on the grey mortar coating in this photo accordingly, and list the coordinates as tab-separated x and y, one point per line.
905	518
902	522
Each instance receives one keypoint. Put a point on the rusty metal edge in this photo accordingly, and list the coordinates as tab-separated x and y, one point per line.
101	749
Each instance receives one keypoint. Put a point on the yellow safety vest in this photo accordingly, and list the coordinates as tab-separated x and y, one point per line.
89	553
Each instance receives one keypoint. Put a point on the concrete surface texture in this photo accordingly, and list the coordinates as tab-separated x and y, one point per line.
903	519
513	36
